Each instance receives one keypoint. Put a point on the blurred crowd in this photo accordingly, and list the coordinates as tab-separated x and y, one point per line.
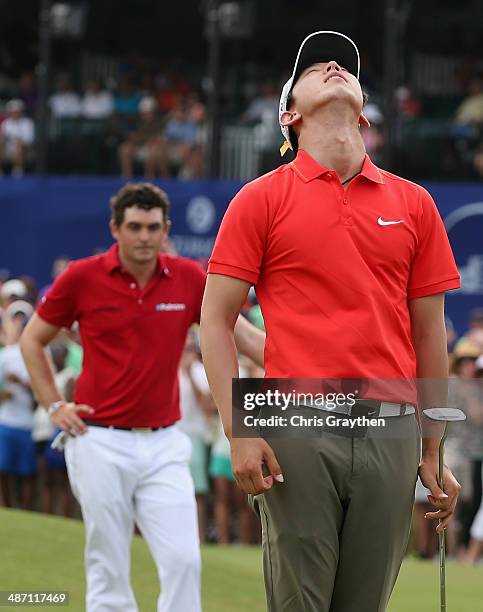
467	129
156	125
33	475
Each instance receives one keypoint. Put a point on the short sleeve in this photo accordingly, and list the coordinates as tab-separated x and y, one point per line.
59	306
199	282
240	244
433	269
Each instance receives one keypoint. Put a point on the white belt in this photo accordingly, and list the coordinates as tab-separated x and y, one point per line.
374	409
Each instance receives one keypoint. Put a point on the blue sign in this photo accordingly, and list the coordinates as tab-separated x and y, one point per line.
43	218
461	207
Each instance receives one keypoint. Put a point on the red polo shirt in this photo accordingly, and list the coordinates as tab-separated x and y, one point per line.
132	338
334	269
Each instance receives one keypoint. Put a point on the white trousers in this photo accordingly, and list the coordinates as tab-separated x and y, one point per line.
122	477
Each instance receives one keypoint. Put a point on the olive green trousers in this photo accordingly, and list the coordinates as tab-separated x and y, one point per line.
335	532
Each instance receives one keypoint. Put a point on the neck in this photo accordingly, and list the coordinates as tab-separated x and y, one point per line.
334	141
142	272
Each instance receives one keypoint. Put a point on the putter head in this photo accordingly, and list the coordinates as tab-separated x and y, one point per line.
444	414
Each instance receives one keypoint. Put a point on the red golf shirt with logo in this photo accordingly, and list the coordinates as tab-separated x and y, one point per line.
334	269
132	338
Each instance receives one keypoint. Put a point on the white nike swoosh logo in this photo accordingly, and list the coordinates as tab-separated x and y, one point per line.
381	222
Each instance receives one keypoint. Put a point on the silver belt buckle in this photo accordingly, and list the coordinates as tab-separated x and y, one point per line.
142	429
344	409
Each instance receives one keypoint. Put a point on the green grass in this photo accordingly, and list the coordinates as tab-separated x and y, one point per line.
45	553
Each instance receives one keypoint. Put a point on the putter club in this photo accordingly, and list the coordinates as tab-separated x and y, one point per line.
445	415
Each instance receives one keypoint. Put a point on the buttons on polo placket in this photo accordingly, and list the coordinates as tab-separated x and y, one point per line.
346	211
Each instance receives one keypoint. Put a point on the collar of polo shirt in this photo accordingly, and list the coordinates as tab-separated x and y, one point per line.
308	169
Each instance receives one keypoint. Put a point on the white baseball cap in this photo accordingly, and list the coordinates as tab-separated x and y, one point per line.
13	288
19	307
321	46
147	104
15	105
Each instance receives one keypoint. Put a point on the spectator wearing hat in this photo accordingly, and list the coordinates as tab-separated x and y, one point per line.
16	137
11	291
464	357
12	326
144	144
17	449
474	335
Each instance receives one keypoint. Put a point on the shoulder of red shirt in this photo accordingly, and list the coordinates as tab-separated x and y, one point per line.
170	263
264	183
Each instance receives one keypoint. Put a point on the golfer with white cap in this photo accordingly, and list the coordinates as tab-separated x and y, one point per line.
350	265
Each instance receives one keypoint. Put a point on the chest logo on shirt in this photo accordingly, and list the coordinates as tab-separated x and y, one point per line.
169	306
380	221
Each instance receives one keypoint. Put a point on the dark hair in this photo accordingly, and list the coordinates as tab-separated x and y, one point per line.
293	136
140	195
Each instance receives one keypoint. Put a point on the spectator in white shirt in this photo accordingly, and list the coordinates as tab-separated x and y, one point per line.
16	137
17	449
265	104
96	102
198	420
65	102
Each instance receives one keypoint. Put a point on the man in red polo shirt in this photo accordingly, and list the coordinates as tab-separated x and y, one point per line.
127	461
350	265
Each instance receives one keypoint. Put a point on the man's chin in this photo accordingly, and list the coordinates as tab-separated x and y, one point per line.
144	257
337	97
